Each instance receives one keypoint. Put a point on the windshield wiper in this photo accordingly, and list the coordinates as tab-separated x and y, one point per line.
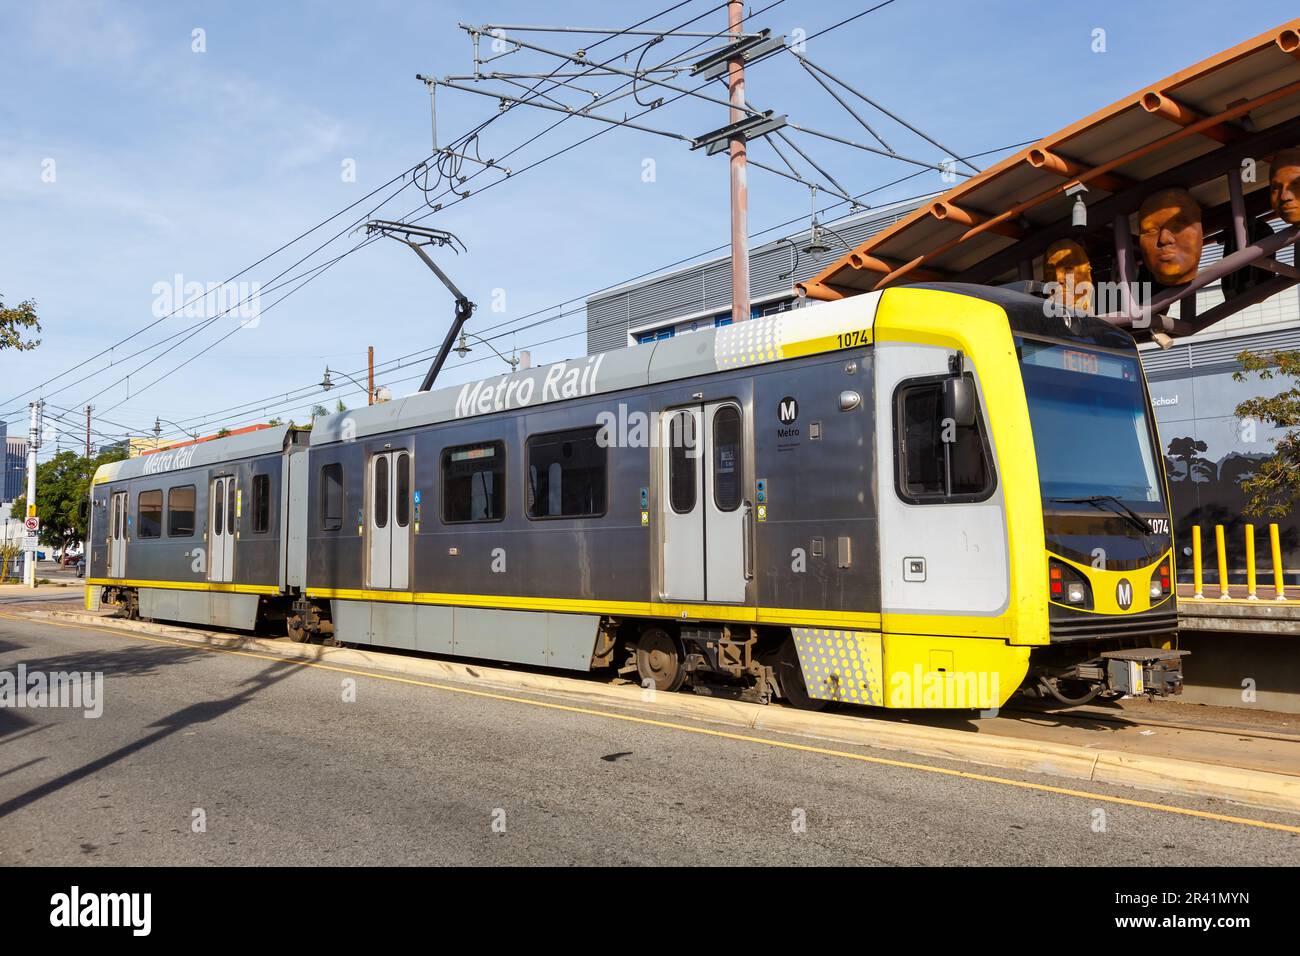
1121	509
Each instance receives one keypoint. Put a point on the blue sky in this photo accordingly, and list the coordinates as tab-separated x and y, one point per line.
168	161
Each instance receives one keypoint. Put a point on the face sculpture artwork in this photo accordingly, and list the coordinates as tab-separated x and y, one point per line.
1284	185
1170	234
1066	263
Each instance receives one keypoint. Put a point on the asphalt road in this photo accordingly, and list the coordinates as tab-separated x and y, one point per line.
280	768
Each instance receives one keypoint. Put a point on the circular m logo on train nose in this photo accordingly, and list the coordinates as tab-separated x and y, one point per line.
1124	594
788	410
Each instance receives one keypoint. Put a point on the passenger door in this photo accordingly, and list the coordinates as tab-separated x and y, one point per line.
705	521
221	529
117	528
388	520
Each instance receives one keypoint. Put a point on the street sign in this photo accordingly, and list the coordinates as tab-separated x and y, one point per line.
30	543
32	524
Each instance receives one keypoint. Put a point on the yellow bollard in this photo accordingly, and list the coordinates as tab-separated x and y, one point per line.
1197	577
1223	562
1279	585
1250	563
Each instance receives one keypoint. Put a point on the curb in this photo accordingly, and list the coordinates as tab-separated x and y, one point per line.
1255	788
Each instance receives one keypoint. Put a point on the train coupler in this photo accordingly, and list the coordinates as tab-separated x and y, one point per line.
1149	671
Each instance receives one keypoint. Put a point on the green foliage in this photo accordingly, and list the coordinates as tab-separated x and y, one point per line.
62	486
1275	486
319	411
13	322
339	406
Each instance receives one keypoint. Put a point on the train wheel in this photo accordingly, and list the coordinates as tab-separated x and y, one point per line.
296	628
790	676
659	660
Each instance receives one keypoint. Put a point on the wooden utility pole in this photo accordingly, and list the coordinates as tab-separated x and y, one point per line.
370	380
739	181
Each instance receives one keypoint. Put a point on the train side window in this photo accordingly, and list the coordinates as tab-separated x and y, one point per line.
474	483
381	491
726	458
936	460
149	514
402	506
566	474
180	512
682	455
331	497
261	504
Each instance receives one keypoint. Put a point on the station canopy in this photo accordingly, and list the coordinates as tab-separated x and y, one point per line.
1184	162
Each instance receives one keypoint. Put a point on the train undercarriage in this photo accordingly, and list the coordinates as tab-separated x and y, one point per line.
761	664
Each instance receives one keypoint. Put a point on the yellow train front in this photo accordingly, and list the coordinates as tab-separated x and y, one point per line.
1024	528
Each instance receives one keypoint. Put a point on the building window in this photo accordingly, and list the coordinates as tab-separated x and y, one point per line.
936	459
149	512
261	504
331	497
474	483
721	320
655	335
566	474
180	512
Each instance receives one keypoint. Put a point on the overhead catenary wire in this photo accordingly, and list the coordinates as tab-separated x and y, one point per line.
413	171
571	146
289	399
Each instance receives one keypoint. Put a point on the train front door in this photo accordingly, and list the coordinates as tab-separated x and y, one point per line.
117	530
388	520
704	518
221	530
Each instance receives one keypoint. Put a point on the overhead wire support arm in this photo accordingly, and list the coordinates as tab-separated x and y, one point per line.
528	28
417	237
614	121
580	59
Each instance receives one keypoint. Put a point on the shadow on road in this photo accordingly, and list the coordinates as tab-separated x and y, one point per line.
197	713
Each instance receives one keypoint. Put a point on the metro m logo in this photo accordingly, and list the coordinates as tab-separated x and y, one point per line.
1124	594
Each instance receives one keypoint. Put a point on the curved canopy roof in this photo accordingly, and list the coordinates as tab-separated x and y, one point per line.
1241	104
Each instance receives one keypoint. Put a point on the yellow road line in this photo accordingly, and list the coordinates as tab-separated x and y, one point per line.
704	731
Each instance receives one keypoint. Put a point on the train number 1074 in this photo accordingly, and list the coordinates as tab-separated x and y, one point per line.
848	340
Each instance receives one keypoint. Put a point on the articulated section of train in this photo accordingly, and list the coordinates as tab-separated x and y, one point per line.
933	496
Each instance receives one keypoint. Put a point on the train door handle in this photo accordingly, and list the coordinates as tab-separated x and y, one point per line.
748	536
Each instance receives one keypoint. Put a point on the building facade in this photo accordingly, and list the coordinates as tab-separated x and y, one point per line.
1207	449
13	482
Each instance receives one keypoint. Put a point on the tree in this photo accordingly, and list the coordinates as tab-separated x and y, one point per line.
13	322
62	485
9	551
1274	487
319	411
339	406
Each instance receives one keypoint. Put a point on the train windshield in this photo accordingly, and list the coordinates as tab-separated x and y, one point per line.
1091	429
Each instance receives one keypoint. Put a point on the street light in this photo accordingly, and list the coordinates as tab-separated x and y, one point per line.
326	384
463	348
159	422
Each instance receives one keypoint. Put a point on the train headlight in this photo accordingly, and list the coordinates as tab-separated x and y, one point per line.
1067	585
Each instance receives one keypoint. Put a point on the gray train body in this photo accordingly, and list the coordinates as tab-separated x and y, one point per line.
799	535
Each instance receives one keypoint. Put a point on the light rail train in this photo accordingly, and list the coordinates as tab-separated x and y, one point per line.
931	496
